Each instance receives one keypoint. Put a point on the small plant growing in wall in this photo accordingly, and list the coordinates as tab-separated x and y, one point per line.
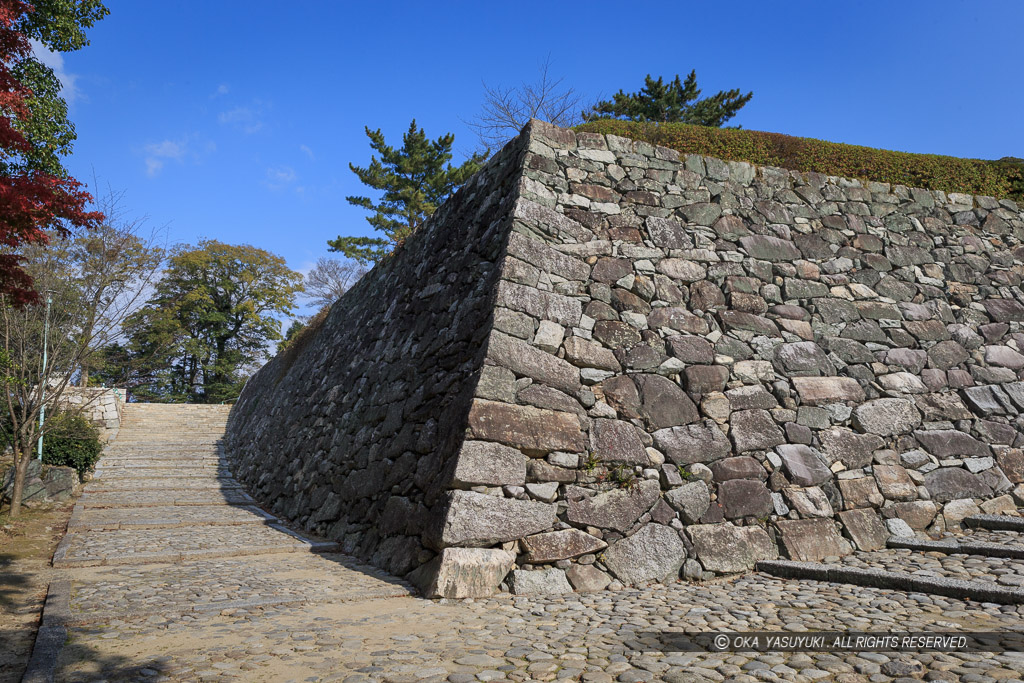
591	462
623	477
686	474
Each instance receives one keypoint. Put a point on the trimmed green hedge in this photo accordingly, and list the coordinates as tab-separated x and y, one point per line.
1004	178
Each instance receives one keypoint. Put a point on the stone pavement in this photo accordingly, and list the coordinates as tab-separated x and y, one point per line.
184	586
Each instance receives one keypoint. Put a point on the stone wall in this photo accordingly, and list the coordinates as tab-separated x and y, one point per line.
351	431
102	406
683	364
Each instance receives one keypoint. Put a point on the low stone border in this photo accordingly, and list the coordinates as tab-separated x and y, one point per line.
953	547
80	521
876	578
994	522
52	634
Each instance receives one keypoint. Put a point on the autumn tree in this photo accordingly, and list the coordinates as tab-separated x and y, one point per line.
414	180
673	102
506	110
209	322
38	198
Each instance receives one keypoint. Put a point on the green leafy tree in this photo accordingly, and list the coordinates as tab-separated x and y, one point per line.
209	322
414	179
673	102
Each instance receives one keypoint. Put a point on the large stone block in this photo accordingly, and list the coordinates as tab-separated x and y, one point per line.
529	361
887	416
848	447
951	483
816	391
691	500
694	443
945	443
744	498
540	304
728	549
654	553
463	573
617	441
865	528
753	430
560	545
664	403
804	465
491	464
811	540
617	509
526	427
539	582
476	519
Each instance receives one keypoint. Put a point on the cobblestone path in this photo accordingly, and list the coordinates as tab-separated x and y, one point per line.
183	578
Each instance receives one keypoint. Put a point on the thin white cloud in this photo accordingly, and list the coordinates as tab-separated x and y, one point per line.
222	89
248	119
308	152
187	148
279	177
68	90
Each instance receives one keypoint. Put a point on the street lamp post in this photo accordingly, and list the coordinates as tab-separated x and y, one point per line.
43	380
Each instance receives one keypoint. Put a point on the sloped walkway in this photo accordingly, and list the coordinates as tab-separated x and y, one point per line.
169	572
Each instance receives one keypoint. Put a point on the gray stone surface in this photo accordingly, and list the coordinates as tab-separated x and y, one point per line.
538	582
474	519
654	553
728	549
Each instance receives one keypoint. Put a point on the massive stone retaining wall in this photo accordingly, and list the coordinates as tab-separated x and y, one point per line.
664	364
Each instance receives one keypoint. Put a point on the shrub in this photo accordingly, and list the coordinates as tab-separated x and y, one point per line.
1003	178
71	441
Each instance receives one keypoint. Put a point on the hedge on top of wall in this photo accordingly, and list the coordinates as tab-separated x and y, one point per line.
1002	179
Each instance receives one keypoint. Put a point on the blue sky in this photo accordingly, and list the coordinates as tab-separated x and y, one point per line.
237	120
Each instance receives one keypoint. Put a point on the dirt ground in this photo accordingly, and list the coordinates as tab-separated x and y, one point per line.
26	548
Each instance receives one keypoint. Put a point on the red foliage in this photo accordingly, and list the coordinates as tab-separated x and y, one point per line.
31	202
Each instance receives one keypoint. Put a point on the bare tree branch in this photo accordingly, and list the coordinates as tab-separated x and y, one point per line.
507	109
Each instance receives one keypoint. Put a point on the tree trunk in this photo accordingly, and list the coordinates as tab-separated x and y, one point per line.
20	472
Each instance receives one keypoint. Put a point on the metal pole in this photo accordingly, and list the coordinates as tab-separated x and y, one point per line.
42	395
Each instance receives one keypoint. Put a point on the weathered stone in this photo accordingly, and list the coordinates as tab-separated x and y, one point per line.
769	248
586	578
620	393
804	465
654	553
539	304
464	573
676	318
618	509
692	443
584	353
560	545
860	493
918	514
664	403
691	500
744	498
736	320
491	464
848	447
894	482
816	391
989	400
1004	310
610	269
805	358
739	467
947	354
538	582
1011	462
682	270
809	502
668	233
945	443
1004	356
476	519
703	379
865	528
525	427
754	430
691	349
728	549
528	361
886	416
950	483
617	441
936	407
955	511
902	383
615	334
811	540
750	397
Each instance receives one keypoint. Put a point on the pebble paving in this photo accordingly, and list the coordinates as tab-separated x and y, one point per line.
259	616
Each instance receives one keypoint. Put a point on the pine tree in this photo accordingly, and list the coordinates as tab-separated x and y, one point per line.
673	102
414	179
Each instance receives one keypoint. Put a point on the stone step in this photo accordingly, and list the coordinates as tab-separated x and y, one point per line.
164	497
94	548
994	522
979	591
166	517
113	484
952	546
103	594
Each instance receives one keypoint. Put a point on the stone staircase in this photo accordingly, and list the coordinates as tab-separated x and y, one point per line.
983	562
163	528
